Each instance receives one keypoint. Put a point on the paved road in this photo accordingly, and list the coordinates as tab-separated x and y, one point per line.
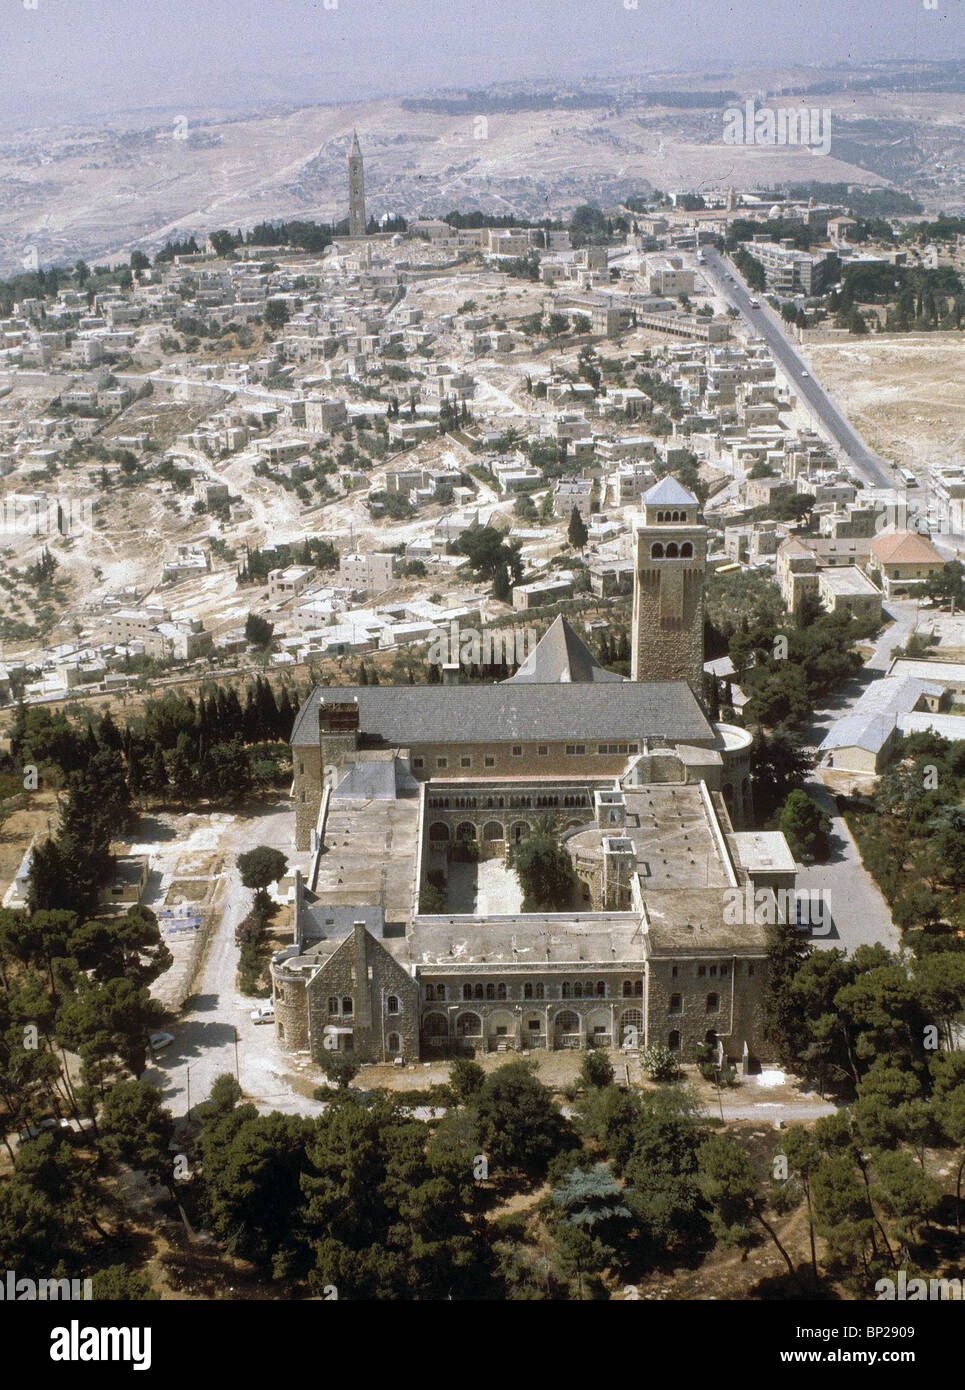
855	910
215	1033
770	1111
771	328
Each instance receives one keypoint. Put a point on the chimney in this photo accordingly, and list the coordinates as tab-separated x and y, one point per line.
450	673
363	993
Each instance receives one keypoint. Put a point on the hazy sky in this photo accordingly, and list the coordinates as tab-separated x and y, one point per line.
101	55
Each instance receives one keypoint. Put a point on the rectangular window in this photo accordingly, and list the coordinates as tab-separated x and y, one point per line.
542	750
418	762
701	971
442	762
517	750
465	762
490	761
575	750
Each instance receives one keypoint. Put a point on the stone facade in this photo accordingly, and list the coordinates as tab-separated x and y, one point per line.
517	1009
670	548
692	1000
358	1000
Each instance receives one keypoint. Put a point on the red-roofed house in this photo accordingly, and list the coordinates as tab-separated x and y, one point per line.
901	560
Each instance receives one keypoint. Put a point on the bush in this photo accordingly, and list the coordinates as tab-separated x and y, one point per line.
659	1063
249	967
339	1067
596	1070
433	899
465	1078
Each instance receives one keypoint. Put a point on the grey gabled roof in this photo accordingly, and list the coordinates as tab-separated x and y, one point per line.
868	731
507	713
669	493
561	657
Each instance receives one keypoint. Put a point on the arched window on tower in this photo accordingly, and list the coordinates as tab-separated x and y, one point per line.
656	551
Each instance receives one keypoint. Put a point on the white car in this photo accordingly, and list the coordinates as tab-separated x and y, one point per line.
265	1013
805	373
158	1041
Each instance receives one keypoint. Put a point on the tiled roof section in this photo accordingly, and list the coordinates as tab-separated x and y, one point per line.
905	547
560	656
506	713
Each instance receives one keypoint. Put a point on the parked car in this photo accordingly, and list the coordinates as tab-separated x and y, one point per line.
48	1122
159	1041
265	1013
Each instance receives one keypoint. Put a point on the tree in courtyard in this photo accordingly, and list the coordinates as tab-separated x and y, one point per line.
545	872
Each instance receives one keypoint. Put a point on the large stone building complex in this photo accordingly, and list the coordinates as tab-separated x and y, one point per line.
410	938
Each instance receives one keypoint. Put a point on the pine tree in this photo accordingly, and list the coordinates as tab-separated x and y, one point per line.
577	533
501	585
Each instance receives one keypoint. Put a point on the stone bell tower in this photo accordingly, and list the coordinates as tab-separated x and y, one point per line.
670	555
356	190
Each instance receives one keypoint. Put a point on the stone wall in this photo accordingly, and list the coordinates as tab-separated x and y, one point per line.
362	970
307	765
291	1011
668	639
736	1020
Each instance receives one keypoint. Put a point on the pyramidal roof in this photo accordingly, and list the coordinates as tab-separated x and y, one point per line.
669	493
561	658
355	143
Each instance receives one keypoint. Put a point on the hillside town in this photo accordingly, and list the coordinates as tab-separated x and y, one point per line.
387	395
482	749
